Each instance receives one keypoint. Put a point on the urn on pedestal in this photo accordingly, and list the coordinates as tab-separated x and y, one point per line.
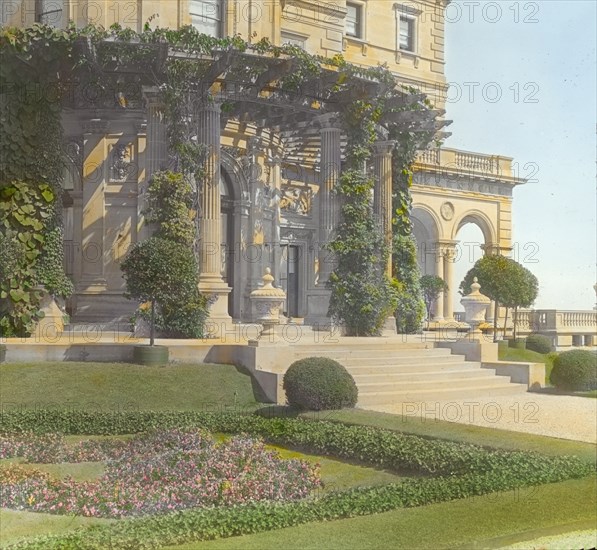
475	306
269	302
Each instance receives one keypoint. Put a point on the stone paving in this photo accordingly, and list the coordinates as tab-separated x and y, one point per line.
561	416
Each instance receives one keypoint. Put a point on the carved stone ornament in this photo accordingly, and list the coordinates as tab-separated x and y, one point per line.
121	162
296	200
447	211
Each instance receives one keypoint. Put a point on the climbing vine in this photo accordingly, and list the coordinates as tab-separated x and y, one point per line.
40	66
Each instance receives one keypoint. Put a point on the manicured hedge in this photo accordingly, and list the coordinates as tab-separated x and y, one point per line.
463	470
539	343
575	370
318	384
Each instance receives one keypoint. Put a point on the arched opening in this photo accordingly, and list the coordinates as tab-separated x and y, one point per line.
469	250
426	233
228	235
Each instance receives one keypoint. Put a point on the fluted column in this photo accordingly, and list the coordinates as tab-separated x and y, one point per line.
157	146
329	211
382	194
439	271
449	255
211	281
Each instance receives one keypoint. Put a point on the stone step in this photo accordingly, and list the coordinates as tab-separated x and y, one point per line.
444	366
431	384
379	353
398	361
439	395
435	376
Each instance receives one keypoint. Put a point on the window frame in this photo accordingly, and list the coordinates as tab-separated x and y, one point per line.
361	20
296	37
412	21
220	23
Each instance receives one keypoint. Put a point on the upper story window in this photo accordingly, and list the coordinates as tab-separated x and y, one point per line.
406	33
354	20
206	16
49	12
294	39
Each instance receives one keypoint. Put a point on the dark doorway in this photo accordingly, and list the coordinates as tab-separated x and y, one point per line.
290	278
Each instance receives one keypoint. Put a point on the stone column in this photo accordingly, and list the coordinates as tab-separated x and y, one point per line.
382	196
439	271
210	252
92	220
448	259
329	211
157	146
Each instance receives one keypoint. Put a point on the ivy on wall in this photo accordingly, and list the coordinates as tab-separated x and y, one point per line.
38	64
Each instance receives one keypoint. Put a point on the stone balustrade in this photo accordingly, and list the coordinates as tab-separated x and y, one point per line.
477	163
565	327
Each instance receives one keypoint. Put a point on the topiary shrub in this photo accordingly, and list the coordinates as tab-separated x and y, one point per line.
575	370
319	383
539	343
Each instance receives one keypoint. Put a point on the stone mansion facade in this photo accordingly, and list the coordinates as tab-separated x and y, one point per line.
272	202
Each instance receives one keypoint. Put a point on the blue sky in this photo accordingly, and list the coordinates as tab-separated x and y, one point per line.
546	52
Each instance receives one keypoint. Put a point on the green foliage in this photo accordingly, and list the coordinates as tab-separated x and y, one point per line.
503	280
575	370
170	199
464	471
319	383
432	286
538	343
165	273
362	297
410	305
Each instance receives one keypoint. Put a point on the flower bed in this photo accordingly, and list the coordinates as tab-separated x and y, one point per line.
153	473
452	471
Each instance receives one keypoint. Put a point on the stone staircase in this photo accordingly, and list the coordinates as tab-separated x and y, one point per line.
399	372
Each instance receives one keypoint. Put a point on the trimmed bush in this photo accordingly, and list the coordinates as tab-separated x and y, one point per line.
319	383
538	343
575	370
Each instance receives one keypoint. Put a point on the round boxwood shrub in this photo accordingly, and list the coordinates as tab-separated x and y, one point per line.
538	343
575	370
319	383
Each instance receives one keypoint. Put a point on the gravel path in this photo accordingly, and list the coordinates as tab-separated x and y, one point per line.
561	416
568	541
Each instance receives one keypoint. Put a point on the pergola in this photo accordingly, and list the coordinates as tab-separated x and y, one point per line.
252	87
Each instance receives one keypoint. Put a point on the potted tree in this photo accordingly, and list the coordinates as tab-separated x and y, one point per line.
160	272
432	286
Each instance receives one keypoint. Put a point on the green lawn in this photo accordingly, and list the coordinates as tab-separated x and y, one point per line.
121	386
15	525
526	355
482	522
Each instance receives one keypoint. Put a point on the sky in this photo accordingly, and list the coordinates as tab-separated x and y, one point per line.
536	63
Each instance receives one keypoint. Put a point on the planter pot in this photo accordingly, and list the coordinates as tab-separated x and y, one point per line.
2	353
519	343
151	356
502	345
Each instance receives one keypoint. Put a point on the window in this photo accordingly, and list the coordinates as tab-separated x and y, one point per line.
206	16
48	12
406	34
354	20
294	39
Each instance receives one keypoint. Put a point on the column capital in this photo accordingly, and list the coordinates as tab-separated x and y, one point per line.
209	106
329	122
153	96
384	147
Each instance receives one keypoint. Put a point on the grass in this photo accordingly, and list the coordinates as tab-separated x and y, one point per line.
476	435
526	355
80	471
15	525
121	386
481	522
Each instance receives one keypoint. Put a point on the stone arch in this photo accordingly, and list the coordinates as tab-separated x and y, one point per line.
481	220
236	176
427	231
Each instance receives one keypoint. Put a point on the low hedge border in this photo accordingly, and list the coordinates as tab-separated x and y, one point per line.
463	471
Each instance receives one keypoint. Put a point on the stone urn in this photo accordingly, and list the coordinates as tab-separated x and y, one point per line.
51	324
268	301
475	307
